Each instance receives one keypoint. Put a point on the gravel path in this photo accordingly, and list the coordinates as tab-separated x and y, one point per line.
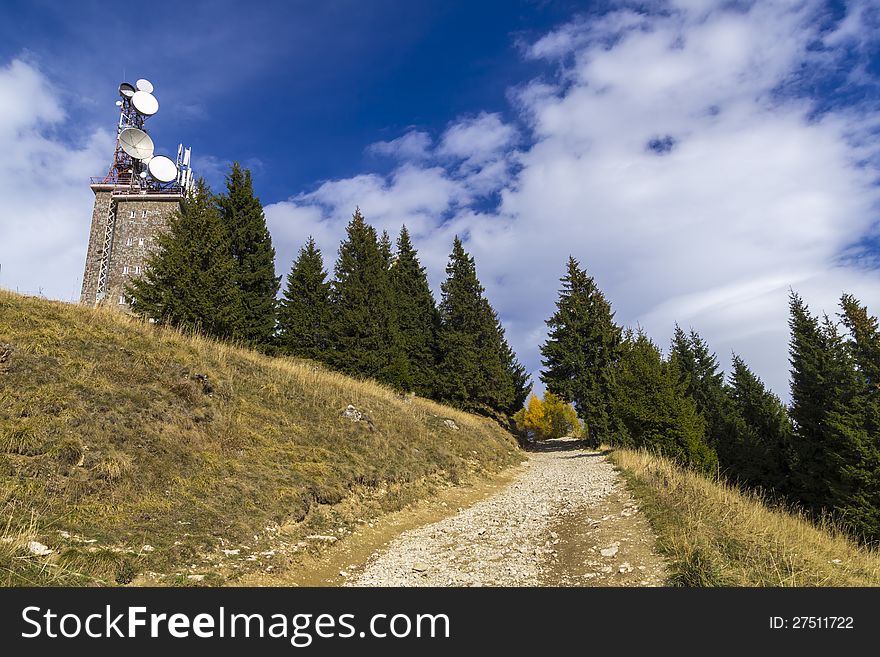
565	498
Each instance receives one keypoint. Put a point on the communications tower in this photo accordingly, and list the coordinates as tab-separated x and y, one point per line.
133	202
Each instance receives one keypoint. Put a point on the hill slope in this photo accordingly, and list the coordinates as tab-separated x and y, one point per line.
136	453
715	534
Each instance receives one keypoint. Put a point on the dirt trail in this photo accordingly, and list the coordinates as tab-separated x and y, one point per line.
566	519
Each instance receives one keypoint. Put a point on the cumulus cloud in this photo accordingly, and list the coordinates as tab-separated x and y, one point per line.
478	140
44	186
675	153
414	145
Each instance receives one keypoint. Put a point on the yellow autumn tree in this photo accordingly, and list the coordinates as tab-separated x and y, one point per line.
548	418
561	417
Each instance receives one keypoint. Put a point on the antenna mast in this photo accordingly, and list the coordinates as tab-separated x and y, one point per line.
136	170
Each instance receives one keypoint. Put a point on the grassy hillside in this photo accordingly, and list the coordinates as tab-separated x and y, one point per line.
123	459
717	535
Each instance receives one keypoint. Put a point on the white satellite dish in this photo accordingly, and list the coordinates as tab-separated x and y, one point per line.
145	103
144	85
126	90
163	169
136	143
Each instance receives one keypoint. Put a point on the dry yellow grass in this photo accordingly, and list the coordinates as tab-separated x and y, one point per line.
718	535
107	435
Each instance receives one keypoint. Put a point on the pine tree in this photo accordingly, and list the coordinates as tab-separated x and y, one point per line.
581	348
304	312
522	384
500	391
189	281
471	373
762	432
830	437
865	341
863	507
365	338
416	312
699	371
254	255
386	250
653	407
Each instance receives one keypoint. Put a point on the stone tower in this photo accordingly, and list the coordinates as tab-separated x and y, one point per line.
137	219
133	202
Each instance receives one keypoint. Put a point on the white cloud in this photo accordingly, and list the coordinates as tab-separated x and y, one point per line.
744	194
478	140
414	145
45	214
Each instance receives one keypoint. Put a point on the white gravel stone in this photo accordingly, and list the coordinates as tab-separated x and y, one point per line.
37	548
520	516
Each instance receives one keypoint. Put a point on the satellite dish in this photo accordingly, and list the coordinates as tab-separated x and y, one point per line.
126	90
144	85
145	103
163	169
136	143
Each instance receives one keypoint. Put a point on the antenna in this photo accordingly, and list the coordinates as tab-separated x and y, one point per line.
136	143
162	169
145	103
134	165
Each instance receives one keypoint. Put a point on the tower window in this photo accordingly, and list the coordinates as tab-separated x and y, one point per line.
144	214
137	270
131	215
141	242
128	242
125	270
121	301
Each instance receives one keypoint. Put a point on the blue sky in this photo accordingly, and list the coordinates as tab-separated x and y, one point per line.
699	157
295	88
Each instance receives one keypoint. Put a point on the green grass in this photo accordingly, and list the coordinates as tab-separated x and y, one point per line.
108	444
715	534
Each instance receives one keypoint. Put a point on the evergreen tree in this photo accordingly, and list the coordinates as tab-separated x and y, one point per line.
304	312
522	384
863	508
762	432
385	250
581	349
653	407
471	373
189	281
830	439
704	383
254	255
500	391
365	338
416	312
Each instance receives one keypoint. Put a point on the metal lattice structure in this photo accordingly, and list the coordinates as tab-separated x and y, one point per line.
133	201
106	250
